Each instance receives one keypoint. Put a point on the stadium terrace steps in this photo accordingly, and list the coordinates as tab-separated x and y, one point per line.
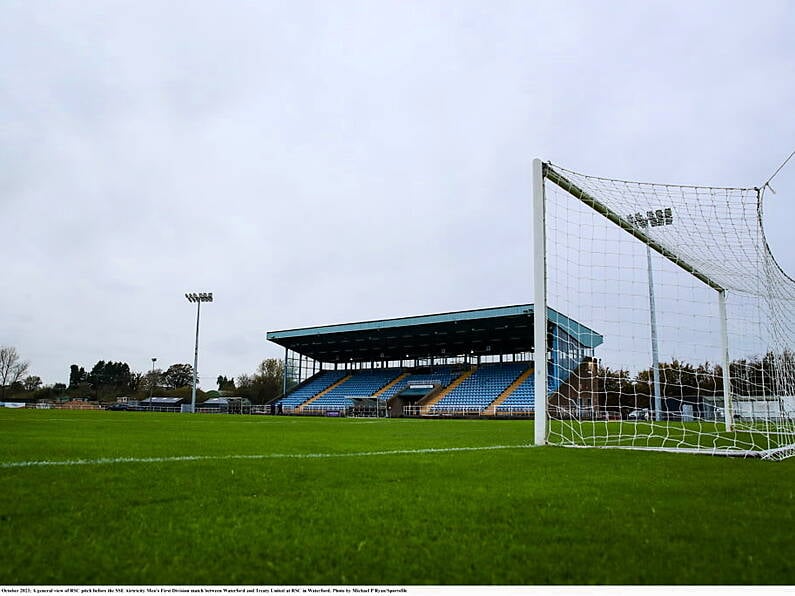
491	409
328	389
521	400
312	386
426	407
440	376
360	384
490	389
391	384
482	388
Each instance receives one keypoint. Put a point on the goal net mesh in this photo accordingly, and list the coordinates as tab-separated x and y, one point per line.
652	268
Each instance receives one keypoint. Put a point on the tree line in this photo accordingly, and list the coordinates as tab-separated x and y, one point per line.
108	380
751	377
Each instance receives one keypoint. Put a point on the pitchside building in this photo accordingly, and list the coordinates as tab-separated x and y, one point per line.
475	362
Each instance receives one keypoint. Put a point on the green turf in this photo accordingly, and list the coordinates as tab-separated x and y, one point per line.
506	516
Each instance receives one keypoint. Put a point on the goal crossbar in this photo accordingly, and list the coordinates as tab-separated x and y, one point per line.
564	183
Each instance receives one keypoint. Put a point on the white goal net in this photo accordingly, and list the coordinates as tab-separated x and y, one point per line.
696	316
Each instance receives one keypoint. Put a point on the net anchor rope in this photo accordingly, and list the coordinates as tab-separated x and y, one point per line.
767	184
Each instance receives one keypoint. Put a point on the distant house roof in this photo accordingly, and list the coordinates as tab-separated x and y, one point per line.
163	401
223	401
216	401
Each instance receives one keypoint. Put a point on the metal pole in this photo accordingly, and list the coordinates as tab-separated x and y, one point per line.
284	374
195	359
655	356
540	303
152	383
198	298
728	416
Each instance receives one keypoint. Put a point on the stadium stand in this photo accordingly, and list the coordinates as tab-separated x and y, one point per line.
476	362
482	388
440	375
308	390
493	389
521	400
363	383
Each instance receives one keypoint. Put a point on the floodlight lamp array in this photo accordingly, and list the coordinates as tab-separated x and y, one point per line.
199	297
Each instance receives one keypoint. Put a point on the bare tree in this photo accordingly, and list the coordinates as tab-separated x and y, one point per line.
11	368
265	384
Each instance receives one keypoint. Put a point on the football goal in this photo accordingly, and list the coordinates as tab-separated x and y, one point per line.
698	319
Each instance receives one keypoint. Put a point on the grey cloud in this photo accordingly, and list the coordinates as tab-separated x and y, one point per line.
314	163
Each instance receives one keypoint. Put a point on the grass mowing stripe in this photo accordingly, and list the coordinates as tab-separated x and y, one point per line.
181	458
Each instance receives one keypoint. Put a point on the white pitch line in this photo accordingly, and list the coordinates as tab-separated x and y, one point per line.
181	458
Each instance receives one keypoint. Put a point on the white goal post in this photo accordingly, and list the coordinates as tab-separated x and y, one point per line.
698	319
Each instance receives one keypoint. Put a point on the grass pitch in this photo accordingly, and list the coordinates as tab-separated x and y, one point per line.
139	498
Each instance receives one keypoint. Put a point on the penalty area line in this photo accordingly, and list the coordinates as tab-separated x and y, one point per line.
192	458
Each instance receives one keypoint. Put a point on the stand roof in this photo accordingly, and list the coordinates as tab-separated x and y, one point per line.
500	330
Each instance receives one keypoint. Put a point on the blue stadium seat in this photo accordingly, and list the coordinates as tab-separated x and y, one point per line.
482	388
441	375
363	383
320	382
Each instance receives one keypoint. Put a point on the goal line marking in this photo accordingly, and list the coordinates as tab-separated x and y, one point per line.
191	458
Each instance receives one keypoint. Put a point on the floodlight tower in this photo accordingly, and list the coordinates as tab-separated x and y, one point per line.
655	353
152	382
198	298
654	219
657	218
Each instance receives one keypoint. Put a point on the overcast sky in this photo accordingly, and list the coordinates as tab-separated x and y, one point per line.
326	162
